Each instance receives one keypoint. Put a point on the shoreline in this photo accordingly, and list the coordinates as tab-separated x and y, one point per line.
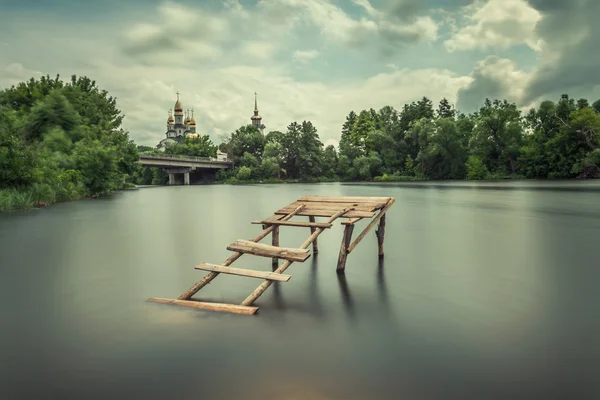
593	185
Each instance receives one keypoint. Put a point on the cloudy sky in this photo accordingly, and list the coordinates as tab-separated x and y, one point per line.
307	59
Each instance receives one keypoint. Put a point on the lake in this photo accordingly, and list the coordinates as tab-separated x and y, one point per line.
487	290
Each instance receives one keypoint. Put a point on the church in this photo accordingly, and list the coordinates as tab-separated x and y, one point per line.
179	128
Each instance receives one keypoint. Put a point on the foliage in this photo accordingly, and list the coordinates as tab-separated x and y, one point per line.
555	140
61	141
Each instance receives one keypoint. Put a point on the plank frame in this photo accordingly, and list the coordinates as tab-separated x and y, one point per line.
350	208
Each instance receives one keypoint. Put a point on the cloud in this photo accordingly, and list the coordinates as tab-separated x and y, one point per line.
304	56
493	78
15	73
570	34
180	35
496	24
395	28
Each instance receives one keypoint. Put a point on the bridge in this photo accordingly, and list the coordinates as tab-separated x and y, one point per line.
175	164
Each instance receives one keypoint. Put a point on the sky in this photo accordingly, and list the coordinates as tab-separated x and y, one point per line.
312	60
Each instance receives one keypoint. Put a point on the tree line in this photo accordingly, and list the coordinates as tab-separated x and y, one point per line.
63	140
557	140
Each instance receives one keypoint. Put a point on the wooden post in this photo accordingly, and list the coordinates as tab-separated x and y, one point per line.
311	218
344	248
370	226
380	234
275	242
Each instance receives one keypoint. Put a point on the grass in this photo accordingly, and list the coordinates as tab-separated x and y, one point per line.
41	195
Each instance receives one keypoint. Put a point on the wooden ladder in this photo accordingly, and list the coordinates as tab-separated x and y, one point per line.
252	247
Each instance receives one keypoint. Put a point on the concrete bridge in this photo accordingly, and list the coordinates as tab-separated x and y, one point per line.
207	167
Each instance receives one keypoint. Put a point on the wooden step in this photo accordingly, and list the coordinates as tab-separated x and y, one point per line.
243	272
265	250
323	225
232	308
326	213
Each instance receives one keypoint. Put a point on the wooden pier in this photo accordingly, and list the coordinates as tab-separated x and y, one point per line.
352	209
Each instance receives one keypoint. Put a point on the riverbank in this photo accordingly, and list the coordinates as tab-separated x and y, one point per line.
39	196
24	199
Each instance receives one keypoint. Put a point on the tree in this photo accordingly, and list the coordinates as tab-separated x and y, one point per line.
445	110
476	169
246	139
498	135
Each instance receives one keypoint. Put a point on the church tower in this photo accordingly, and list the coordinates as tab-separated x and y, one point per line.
178	114
257	119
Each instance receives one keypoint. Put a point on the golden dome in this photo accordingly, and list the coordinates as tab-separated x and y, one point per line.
192	121
255	117
192	135
170	120
186	120
178	106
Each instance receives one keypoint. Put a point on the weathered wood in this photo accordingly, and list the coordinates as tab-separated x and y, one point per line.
341	265
243	272
275	242
212	275
248	301
311	205
265	250
295	223
351	221
380	235
371	225
328	213
312	230
232	308
345	199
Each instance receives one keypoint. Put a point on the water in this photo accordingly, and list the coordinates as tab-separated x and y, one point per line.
487	291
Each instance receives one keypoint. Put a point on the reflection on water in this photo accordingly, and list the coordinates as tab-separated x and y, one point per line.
346	296
482	294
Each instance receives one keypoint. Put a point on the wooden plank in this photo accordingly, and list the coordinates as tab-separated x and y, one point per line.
345	199
329	213
243	272
265	250
232	308
371	225
313	205
212	275
295	223
351	221
248	301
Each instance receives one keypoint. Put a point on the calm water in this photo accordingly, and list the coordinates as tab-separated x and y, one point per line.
487	291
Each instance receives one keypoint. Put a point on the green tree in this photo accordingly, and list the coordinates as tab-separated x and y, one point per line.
498	135
476	169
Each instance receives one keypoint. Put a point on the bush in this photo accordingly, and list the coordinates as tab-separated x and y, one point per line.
393	178
244	174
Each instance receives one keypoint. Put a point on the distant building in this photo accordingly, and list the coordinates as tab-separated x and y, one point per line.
221	156
257	119
178	127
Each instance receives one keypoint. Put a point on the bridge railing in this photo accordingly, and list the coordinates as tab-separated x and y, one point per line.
180	157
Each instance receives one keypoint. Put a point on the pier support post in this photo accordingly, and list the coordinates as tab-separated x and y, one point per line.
312	230
186	178
171	178
275	242
380	234
344	248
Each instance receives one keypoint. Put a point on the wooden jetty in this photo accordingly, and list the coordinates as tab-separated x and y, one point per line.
352	209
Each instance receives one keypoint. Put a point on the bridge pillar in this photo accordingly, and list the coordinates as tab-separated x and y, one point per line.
171	179
186	178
